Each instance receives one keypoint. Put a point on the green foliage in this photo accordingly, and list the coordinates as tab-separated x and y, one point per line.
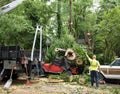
105	6
64	77
17	26
80	51
66	41
76	78
38	12
115	91
13	28
55	76
87	78
107	30
60	76
82	79
109	33
83	19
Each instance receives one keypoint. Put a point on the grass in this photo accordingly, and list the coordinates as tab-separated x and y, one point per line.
85	82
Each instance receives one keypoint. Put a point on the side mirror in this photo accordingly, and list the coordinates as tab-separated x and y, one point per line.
110	65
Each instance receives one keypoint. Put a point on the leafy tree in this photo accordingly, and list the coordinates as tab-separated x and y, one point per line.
105	6
59	18
21	22
109	33
15	30
38	12
81	18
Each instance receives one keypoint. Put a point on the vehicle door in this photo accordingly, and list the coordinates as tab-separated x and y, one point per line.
114	69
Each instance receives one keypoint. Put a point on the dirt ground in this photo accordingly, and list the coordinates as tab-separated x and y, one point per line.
52	86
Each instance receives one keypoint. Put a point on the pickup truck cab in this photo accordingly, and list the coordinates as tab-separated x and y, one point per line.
111	71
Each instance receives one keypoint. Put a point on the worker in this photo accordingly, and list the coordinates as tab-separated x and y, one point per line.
94	68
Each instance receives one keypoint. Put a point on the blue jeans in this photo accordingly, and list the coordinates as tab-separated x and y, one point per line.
94	77
36	68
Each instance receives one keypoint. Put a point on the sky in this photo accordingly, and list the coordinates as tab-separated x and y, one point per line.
48	3
95	4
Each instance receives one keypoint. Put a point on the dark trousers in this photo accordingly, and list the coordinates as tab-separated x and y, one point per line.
94	77
36	68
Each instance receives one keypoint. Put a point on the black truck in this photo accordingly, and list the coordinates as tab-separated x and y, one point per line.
14	56
10	56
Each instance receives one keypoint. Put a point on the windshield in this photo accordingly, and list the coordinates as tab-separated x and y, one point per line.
116	62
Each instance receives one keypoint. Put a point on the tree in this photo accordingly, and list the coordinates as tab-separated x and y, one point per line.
38	12
12	29
83	18
59	22
109	32
105	6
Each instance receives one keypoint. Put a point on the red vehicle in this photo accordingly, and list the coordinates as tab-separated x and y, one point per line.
53	68
66	64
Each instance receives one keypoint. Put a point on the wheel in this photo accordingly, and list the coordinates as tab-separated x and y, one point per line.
15	76
101	79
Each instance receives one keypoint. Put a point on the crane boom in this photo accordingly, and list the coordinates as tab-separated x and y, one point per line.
6	8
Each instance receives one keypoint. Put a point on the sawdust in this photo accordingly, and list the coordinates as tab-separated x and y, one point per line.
49	86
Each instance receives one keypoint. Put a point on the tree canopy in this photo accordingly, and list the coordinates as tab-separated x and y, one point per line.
17	27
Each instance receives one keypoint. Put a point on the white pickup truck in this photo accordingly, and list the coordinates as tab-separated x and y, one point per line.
111	71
